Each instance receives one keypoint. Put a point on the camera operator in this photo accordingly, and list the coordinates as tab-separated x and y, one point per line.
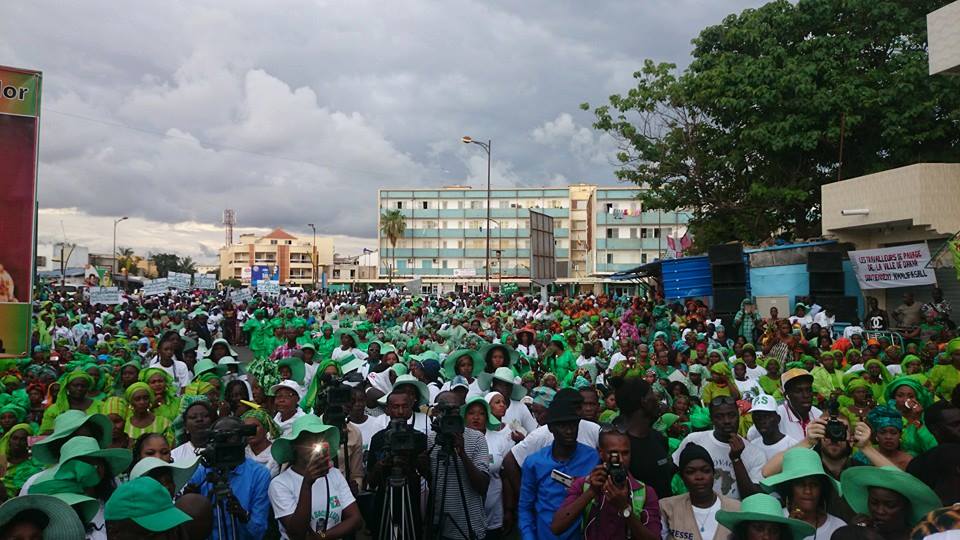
383	461
248	481
612	502
459	465
333	405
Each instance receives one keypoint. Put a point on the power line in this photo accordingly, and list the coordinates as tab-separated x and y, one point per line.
218	146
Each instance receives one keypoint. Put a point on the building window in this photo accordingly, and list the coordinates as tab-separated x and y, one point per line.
609	208
656	233
443	204
426	205
609	233
609	258
643	232
41	261
336	273
643	258
633	232
399	205
475	205
460	205
273	242
353	274
445	263
579	204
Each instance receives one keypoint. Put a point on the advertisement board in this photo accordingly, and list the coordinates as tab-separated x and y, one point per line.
19	136
899	266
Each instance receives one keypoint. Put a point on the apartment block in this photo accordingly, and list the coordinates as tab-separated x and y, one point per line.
287	253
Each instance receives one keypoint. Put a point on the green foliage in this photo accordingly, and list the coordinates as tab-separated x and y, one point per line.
235	283
127	260
392	226
171	262
747	134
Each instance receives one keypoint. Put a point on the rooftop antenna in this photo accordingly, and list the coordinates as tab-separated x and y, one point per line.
229	220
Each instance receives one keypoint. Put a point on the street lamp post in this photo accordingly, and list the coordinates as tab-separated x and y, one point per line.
115	222
313	256
486	146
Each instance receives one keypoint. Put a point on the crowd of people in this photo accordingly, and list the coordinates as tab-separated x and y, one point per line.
383	415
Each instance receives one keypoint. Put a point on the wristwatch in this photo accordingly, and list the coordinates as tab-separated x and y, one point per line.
627	512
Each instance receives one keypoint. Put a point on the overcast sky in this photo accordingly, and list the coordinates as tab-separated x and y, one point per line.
294	112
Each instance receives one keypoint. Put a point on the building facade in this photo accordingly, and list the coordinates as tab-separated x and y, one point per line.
598	231
289	254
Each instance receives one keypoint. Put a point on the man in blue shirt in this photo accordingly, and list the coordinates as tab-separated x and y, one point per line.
249	483
549	472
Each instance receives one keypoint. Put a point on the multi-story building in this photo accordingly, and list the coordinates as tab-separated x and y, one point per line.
598	231
279	249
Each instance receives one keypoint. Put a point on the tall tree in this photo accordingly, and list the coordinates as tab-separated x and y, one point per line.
392	226
187	265
166	262
747	134
127	260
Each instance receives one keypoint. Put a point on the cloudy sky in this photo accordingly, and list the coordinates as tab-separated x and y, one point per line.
298	111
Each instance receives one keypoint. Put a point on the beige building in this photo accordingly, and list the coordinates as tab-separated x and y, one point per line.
943	37
279	249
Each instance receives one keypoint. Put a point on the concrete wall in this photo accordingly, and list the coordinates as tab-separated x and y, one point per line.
943	37
792	280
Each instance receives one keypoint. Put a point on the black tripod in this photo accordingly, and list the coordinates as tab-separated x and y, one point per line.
222	496
396	515
447	457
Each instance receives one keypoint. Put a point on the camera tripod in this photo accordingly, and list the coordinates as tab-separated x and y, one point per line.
396	515
221	496
446	456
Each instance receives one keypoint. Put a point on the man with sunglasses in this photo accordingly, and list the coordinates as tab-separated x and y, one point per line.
737	461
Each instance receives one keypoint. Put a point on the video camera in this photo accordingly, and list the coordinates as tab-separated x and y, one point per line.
226	446
402	439
335	397
836	430
447	423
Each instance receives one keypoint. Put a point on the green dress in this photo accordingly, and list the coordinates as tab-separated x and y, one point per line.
944	379
18	474
49	415
159	425
325	347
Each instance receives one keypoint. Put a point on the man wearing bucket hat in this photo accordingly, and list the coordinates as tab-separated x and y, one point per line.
761	517
770	440
39	516
797	411
311	495
508	385
142	508
548	473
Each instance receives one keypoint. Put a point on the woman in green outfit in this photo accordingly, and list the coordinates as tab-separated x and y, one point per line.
141	420
945	376
858	390
116	404
877	377
911	399
165	401
770	381
17	463
72	395
559	360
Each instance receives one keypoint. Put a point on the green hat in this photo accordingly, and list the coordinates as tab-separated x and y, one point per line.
77	447
181	470
206	365
665	421
63	426
68	484
63	522
351	333
798	463
505	374
923	395
763	507
221	341
857	480
559	339
450	362
492	422
147	503
422	390
425	355
297	368
282	448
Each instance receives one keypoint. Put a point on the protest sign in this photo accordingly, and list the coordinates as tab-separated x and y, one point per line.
207	282
900	266
240	296
179	280
268	287
105	295
155	287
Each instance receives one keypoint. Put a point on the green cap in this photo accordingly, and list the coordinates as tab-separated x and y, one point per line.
763	507
282	448
147	503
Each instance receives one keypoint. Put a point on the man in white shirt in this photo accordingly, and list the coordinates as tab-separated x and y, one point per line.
504	382
798	410
770	440
737	462
825	319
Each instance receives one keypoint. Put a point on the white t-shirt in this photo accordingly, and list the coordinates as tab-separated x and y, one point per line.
498	444
789	423
726	480
519	416
588	434
285	490
776	448
370	428
286	426
824	531
706	519
184	452
178	372
755	373
265	458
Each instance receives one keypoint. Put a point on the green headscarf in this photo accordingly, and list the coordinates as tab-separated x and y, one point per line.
62	403
134	388
169	393
271	427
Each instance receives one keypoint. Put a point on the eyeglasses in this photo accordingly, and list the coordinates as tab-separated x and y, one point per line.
613	428
722	400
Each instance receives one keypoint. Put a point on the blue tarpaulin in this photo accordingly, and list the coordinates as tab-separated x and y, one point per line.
687	277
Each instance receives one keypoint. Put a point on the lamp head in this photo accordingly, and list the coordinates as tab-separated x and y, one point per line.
466	139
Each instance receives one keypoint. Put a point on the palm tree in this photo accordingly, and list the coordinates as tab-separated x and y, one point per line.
128	261
392	226
187	266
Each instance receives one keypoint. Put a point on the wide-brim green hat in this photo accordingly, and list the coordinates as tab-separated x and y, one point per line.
206	365
221	341
422	390
509	352
505	374
77	447
63	522
450	362
63	427
282	448
297	368
798	463
351	333
763	507
559	339
856	482
68	490
181	470
86	507
425	355
492	422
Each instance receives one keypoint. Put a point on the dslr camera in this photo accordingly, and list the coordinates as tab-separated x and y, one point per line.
616	470
226	446
836	430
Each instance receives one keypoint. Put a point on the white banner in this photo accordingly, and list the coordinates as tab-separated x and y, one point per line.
206	282
155	287
465	272
240	296
900	266
179	280
268	287
105	295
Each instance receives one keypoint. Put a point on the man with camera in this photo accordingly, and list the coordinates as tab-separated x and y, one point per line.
612	503
396	462
797	411
232	482
460	473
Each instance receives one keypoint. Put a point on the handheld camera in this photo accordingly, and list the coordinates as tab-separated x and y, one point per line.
836	430
615	469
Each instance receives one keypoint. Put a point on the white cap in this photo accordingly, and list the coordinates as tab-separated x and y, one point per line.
763	402
287	383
